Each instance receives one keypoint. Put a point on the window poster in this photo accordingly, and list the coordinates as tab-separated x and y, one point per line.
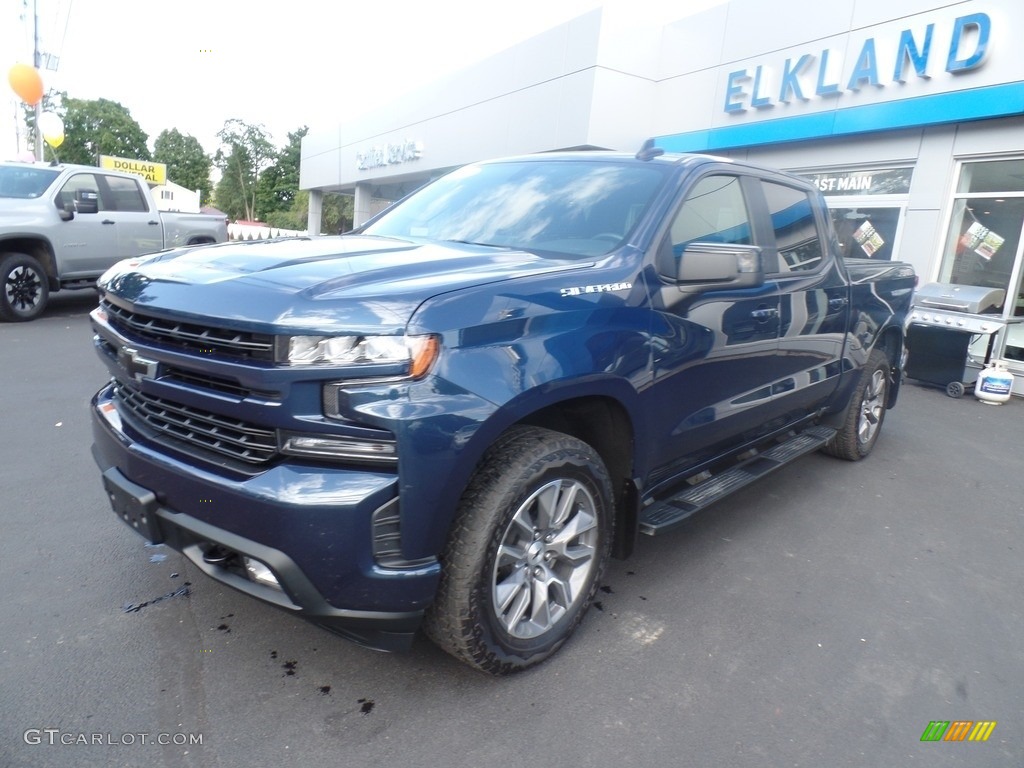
868	239
981	240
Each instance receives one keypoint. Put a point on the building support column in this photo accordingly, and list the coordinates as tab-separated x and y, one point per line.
316	209
361	205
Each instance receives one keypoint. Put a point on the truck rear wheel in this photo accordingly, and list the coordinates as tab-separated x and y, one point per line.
865	413
528	548
23	287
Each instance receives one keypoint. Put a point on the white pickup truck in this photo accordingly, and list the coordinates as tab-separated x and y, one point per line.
62	226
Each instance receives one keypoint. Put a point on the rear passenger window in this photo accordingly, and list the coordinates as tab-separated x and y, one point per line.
125	194
713	212
796	231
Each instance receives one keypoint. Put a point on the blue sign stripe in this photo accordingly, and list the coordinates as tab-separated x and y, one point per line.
953	107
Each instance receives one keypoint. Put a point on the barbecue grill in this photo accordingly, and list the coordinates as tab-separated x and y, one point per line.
944	321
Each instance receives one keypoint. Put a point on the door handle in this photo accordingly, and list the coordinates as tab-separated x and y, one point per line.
837	303
154	223
108	221
764	314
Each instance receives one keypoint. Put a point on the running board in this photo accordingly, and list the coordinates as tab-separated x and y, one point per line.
663	515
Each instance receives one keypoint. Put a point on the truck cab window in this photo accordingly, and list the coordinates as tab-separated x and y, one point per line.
796	233
714	212
80	182
125	194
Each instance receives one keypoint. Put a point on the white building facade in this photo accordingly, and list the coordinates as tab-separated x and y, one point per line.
174	197
909	115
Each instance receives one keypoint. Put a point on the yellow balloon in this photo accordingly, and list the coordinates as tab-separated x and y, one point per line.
26	82
52	128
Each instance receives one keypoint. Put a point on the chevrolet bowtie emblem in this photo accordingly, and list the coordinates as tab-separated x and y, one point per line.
138	367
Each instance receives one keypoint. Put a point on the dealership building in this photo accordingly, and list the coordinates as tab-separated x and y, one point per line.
908	115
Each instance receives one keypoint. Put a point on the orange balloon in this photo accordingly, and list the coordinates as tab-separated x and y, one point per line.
27	83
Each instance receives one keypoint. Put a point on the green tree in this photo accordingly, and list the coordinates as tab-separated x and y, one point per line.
229	192
279	183
100	127
53	101
187	163
245	153
335	214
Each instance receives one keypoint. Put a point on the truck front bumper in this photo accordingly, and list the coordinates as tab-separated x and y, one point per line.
305	532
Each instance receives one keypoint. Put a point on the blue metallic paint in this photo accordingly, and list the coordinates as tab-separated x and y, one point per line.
690	370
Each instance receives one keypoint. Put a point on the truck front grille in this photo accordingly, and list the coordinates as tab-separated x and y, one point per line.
197	428
193	337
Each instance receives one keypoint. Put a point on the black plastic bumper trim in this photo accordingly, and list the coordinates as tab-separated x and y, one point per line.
381	630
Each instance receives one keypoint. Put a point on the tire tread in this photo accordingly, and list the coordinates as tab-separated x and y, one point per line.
451	622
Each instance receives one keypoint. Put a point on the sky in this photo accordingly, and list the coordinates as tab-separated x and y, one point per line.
191	64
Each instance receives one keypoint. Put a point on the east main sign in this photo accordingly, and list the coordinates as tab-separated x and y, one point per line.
809	75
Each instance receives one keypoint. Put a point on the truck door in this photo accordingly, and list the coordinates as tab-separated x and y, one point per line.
127	204
714	350
86	243
814	300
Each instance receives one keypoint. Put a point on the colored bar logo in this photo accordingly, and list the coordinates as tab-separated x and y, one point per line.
958	730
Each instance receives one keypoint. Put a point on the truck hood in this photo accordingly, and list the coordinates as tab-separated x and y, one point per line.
347	284
15	210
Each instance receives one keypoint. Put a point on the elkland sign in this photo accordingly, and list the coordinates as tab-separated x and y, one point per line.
950	65
809	75
383	155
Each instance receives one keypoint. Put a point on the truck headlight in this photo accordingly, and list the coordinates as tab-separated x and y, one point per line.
418	352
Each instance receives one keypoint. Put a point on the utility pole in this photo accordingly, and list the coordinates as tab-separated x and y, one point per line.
17	130
36	61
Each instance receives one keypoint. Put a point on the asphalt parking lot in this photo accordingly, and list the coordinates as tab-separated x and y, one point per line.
823	617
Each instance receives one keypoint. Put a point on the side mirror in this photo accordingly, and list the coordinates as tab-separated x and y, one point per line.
716	266
87	201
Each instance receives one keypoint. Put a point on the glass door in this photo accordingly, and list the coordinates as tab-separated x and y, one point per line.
984	246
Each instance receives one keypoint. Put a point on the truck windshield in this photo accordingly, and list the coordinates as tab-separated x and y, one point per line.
25	183
563	208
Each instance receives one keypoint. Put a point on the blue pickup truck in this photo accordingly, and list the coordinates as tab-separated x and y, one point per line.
452	417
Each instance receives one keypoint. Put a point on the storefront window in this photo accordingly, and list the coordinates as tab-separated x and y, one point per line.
985	229
866	206
995	176
983	240
983	246
866	232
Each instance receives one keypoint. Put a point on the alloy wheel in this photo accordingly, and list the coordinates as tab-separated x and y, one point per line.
545	558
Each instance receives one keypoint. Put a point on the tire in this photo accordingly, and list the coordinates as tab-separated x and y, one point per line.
865	413
521	567
24	290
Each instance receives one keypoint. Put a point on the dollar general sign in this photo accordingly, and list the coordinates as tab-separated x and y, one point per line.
153	173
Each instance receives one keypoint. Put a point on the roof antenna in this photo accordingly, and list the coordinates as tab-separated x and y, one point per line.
648	151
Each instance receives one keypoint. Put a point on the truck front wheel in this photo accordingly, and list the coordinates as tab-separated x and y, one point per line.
862	421
23	287
528	548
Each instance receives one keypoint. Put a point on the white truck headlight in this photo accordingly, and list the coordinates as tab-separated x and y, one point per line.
419	352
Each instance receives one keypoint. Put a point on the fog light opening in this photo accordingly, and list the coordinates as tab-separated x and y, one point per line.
259	573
